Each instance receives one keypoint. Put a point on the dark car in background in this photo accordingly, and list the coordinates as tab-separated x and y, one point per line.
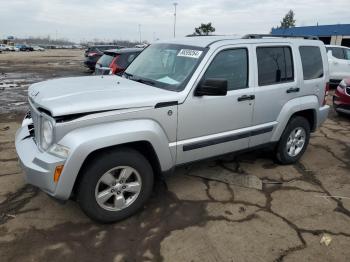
115	61
25	48
341	98
93	53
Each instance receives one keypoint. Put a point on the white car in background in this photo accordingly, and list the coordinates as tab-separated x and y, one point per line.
38	48
2	47
339	63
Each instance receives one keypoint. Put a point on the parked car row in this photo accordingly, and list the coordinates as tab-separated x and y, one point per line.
115	61
93	53
4	47
20	47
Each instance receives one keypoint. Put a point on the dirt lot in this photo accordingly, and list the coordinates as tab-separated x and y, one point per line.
210	211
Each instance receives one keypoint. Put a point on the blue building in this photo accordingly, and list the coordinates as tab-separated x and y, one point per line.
329	34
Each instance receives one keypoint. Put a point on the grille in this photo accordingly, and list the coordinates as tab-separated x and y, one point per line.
35	127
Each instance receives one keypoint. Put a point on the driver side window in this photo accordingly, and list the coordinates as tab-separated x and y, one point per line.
230	65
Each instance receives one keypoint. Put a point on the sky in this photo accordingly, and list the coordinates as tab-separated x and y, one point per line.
86	20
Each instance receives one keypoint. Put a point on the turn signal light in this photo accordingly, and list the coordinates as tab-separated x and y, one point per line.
57	173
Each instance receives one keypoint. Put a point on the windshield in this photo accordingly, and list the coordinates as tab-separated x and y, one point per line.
167	66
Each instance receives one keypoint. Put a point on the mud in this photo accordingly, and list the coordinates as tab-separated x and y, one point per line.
20	69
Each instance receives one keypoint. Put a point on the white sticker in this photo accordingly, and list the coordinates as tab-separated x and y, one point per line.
190	53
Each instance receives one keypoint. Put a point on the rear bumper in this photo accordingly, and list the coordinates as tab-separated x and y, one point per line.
322	114
38	166
90	61
90	64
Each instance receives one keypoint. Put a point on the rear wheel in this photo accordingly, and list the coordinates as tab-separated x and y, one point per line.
115	185
293	141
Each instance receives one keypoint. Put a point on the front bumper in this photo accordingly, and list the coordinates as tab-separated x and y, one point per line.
39	167
322	114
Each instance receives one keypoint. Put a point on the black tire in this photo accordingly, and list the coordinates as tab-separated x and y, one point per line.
94	170
281	151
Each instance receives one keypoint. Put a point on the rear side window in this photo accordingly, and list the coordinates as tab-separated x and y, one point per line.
275	65
311	60
338	52
347	54
231	65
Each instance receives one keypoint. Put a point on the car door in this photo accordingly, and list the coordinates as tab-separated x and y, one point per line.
339	65
215	125
276	84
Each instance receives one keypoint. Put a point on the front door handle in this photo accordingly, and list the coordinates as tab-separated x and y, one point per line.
293	90
245	97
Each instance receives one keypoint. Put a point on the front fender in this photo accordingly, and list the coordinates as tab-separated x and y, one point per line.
83	141
291	107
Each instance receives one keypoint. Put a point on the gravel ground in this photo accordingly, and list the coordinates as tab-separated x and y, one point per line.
209	211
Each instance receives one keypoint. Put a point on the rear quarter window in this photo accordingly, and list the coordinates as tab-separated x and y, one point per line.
311	60
105	60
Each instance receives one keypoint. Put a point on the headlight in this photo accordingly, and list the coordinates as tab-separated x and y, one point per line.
343	84
46	133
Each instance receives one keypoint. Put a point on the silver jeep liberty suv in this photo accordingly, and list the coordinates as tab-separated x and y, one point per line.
103	139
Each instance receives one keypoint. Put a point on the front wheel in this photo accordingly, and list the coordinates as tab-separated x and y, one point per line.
293	141
115	185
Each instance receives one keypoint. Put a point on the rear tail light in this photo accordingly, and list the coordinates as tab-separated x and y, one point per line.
114	66
92	54
326	91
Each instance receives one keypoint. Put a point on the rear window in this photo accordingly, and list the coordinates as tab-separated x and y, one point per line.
105	60
125	59
275	65
311	60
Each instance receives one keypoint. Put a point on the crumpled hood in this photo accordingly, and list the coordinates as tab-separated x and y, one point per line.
66	96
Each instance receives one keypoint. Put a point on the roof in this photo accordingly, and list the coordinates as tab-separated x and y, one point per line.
318	30
123	50
201	41
205	41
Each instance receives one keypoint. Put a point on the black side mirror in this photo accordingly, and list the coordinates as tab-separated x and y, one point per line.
212	87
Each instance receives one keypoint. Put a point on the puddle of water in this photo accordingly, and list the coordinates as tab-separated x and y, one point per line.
13	90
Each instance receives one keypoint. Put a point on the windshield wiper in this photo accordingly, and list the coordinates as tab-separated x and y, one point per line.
128	76
139	79
143	81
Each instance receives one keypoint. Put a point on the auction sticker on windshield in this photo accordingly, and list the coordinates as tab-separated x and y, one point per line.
190	53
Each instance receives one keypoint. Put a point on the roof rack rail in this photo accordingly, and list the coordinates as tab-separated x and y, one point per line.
257	36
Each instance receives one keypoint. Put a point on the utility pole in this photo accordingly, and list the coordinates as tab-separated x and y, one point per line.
140	32
175	4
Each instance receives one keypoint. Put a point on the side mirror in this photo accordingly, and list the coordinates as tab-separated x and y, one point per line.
212	87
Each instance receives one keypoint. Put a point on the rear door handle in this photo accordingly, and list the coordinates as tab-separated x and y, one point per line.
293	90
245	97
